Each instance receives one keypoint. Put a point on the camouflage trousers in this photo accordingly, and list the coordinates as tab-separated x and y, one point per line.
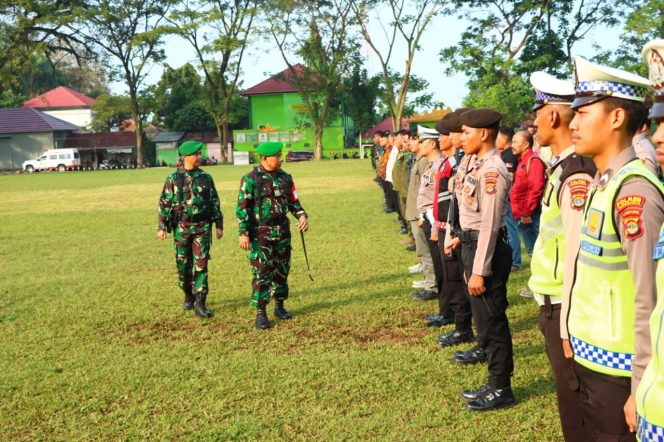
269	255
192	252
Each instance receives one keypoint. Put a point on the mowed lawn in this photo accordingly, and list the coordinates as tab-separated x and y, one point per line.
94	344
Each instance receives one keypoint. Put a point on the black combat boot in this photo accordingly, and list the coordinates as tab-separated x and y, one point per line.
199	306
262	322
455	337
279	310
189	299
472	356
493	398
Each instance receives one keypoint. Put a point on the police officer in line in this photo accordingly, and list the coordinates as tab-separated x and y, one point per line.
614	291
650	392
188	206
554	253
482	188
266	195
452	289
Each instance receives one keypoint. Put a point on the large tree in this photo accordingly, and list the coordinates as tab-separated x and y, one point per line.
508	40
29	28
408	19
177	88
129	34
320	34
218	31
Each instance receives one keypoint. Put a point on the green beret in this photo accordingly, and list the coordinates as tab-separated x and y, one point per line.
269	148
190	147
481	118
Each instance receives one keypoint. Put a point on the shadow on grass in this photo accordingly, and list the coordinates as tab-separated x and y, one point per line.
306	294
538	387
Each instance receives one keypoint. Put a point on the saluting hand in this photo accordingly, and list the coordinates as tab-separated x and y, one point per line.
476	285
244	242
161	234
220	233
303	223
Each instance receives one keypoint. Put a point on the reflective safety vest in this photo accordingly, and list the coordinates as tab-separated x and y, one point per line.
601	316
549	251
650	394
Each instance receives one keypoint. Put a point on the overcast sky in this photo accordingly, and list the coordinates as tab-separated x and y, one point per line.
264	59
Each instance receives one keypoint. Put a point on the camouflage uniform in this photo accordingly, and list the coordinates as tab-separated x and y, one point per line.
192	237
268	230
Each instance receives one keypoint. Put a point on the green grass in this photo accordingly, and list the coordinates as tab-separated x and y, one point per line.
95	346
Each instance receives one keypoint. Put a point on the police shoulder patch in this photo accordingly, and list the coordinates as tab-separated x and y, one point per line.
490	182
630	209
578	189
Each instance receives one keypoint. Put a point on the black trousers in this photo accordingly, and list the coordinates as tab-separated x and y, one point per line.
452	288
567	383
493	330
444	308
602	400
388	191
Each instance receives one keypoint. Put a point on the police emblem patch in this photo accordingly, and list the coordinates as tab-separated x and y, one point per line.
594	224
579	192
490	181
630	209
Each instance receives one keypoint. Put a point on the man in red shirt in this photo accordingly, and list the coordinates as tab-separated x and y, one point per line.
529	182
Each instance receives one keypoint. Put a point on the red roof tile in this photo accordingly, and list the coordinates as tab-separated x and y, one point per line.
386	124
276	84
101	140
22	119
59	97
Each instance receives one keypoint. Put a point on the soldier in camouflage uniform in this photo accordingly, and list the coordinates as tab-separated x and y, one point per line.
188	206
267	194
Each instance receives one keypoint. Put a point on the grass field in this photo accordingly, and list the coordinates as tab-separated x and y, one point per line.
94	344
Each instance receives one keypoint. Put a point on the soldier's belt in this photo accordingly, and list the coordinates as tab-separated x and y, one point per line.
198	218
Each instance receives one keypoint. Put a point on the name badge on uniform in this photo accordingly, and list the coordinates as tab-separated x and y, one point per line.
591	248
594	224
658	251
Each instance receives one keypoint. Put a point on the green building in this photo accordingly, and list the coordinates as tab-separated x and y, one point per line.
277	113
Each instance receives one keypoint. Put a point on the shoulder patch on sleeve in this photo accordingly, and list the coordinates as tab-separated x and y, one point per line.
490	181
578	189
630	209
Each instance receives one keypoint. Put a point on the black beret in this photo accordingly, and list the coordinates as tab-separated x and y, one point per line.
481	118
441	128
449	123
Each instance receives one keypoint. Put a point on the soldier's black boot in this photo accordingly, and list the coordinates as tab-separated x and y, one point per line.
189	299
495	395
279	310
199	307
262	322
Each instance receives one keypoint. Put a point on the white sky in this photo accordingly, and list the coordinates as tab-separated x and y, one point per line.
264	59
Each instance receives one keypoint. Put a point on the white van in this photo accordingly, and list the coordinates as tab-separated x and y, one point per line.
54	159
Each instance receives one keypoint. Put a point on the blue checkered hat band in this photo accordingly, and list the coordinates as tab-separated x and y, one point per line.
607	358
542	97
648	432
622	89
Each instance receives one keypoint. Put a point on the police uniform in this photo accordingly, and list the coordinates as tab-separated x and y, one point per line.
482	190
650	392
554	253
614	288
452	288
188	206
263	203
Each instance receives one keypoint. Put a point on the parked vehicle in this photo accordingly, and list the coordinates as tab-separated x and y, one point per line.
54	159
299	155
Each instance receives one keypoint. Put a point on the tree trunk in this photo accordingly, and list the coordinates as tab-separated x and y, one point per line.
138	125
318	151
220	135
225	139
